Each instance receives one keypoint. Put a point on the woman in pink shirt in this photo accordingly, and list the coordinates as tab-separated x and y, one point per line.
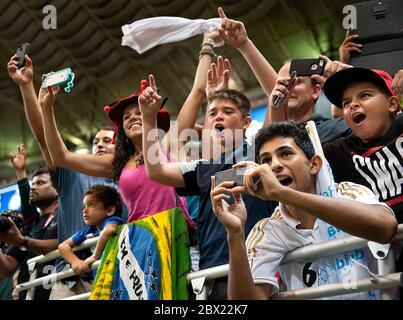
142	196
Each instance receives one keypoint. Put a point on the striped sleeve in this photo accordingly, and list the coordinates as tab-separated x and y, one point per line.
265	251
358	192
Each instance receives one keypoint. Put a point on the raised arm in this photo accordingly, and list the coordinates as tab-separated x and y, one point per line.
61	157
24	78
156	167
218	77
282	89
18	161
348	46
234	33
188	114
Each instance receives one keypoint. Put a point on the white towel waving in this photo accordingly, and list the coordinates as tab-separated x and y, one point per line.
145	34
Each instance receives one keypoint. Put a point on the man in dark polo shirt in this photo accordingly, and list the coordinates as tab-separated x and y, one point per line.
39	238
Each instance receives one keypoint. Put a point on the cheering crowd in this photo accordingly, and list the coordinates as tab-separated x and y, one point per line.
156	202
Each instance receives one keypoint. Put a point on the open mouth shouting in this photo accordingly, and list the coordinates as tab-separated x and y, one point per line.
358	117
219	127
285	180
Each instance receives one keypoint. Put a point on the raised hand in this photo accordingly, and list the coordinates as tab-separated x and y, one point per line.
214	35
233	217
233	32
347	46
22	76
47	96
218	75
282	89
331	68
149	100
19	161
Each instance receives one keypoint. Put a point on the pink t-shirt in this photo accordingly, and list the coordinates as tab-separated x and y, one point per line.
144	197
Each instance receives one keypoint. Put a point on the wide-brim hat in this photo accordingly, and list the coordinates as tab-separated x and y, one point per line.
115	109
338	82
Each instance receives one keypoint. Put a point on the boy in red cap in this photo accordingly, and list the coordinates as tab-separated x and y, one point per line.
372	155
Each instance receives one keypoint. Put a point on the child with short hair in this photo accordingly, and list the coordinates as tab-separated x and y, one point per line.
102	209
372	156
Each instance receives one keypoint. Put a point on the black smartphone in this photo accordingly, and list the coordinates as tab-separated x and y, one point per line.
277	102
307	67
22	50
234	174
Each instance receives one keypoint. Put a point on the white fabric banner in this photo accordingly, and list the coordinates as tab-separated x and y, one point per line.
345	267
145	34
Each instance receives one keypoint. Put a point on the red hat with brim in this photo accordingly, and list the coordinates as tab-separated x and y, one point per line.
115	109
338	82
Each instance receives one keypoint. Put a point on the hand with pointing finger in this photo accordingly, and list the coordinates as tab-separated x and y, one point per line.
233	32
149	100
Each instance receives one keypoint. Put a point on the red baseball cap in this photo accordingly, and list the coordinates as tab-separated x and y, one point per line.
338	82
115	109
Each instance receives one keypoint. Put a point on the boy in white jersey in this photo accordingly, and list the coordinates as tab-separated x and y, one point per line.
287	174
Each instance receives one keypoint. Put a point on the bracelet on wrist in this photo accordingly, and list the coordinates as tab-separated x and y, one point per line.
209	52
209	42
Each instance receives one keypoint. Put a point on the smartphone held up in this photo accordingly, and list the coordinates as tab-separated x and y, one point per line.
61	77
234	174
307	67
22	51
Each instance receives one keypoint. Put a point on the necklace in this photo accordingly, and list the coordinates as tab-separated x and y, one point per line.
138	159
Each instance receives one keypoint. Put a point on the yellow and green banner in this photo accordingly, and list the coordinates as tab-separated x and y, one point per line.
146	260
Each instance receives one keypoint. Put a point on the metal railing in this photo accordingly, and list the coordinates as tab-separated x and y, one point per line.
42	259
382	281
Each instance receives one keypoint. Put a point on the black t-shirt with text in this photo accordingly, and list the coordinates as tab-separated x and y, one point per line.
377	164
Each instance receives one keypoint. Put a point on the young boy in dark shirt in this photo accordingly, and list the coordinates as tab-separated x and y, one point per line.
373	155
